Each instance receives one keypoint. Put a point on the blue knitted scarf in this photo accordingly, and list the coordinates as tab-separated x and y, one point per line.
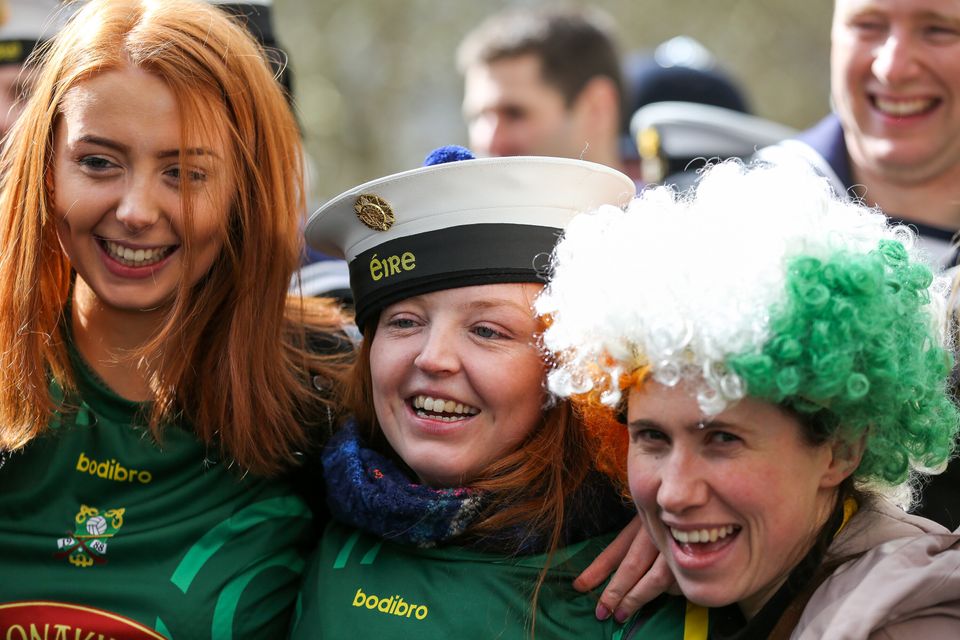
370	492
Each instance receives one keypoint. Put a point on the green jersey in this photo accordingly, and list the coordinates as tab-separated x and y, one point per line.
106	534
359	586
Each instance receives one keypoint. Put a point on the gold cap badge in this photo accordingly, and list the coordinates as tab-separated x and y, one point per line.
374	211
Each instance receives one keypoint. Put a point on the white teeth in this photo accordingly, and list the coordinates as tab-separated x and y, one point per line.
701	535
135	257
438	405
903	107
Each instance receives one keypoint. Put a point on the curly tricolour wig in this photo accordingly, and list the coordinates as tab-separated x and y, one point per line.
761	283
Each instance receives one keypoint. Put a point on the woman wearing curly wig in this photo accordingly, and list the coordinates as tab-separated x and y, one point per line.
783	365
155	380
464	502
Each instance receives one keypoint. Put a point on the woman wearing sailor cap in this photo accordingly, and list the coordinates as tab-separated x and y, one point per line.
460	493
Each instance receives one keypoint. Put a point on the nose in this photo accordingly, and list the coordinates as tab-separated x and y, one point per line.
894	60
682	483
438	355
139	206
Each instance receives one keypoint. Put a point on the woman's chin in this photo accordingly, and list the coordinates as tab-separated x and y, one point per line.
707	594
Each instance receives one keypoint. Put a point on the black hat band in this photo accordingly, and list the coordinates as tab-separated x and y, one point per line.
459	256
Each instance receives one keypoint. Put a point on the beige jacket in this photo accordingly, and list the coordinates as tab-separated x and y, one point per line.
906	583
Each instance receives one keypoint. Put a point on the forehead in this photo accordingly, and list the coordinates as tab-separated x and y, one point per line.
133	106
907	8
512	78
677	405
515	296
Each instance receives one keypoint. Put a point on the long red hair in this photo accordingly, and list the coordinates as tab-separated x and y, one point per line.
231	356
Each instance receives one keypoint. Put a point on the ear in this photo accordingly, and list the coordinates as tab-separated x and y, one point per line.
599	103
845	457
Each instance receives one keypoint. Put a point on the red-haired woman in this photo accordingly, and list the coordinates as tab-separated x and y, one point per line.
155	379
464	501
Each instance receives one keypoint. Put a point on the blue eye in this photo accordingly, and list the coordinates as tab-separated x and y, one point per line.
486	332
402	323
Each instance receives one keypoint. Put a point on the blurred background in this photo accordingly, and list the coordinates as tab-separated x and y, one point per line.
377	86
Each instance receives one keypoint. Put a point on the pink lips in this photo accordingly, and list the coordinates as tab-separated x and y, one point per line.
126	271
432	426
701	555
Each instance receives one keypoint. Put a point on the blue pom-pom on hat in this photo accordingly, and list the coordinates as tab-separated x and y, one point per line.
448	153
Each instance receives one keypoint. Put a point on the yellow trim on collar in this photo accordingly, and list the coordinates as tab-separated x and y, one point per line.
850	508
695	622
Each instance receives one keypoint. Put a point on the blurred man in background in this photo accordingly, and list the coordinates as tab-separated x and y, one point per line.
543	82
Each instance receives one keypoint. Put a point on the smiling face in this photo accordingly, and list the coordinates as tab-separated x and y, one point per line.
457	378
895	75
733	505
117	184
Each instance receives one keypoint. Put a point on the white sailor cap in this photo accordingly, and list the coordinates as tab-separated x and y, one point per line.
674	133
456	224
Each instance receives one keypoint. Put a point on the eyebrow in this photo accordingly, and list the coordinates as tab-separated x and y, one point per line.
708	425
496	302
167	153
938	17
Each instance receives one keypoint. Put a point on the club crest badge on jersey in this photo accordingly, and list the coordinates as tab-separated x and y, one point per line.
87	546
